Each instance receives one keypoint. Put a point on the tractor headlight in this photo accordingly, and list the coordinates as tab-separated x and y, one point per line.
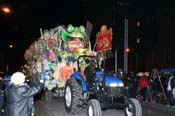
113	84
116	84
120	84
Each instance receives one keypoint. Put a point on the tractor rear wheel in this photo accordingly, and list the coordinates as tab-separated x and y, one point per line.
73	96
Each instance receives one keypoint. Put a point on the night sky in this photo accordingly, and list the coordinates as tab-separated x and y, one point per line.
22	26
28	16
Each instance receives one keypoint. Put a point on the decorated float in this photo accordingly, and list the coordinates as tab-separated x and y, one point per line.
103	44
56	51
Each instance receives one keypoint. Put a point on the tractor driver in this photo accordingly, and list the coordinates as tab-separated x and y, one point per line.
90	71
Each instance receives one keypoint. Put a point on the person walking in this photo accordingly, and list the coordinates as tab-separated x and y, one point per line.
19	95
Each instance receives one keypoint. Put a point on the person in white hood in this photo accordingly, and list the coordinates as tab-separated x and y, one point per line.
19	95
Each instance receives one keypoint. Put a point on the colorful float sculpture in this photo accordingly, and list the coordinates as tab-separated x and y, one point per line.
56	52
103	44
104	39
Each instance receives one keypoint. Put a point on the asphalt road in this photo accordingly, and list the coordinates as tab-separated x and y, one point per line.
56	108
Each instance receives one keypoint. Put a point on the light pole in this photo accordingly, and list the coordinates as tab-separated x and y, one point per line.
126	47
137	53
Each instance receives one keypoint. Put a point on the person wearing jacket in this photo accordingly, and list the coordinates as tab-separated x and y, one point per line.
143	84
19	95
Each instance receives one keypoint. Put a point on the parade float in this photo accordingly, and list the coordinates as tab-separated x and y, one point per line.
55	53
104	39
103	44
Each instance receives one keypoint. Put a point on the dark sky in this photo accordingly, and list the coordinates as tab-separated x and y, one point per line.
30	15
22	26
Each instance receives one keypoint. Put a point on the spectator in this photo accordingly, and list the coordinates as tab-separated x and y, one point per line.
143	84
19	96
133	84
155	86
127	82
1	95
171	90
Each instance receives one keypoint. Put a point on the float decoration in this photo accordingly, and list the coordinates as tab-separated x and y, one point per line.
56	52
104	39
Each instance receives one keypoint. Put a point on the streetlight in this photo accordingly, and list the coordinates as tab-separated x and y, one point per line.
11	46
138	40
128	50
6	10
138	23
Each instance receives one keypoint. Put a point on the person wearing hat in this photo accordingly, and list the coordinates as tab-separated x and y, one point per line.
19	95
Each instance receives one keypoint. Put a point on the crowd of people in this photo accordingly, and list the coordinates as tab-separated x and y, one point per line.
154	87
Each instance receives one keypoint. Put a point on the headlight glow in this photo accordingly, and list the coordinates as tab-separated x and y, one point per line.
120	84
113	84
116	84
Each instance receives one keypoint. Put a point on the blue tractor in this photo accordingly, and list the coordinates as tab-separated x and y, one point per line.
99	91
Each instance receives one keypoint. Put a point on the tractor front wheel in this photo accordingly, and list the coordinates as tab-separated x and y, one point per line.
133	107
94	108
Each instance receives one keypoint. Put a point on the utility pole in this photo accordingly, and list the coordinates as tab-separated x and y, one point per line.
121	8
116	62
126	46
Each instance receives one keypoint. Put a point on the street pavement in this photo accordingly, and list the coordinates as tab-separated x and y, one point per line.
56	108
157	110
